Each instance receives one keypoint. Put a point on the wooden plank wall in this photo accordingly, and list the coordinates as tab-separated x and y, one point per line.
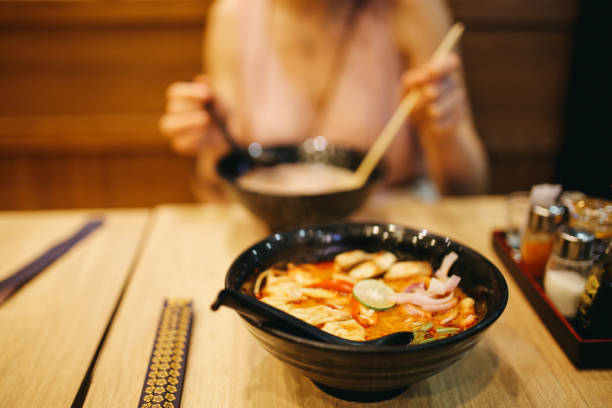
517	55
82	84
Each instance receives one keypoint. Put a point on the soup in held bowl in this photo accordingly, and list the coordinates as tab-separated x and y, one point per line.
300	187
302	178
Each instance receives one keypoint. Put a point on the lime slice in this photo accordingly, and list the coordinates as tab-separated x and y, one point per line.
373	293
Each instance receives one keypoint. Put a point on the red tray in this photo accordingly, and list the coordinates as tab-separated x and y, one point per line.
584	353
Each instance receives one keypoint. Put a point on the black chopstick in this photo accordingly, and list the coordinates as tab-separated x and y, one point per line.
163	384
11	284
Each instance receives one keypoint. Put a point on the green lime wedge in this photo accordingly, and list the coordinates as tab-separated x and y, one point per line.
373	293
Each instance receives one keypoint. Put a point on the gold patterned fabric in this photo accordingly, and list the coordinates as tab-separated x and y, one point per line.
164	379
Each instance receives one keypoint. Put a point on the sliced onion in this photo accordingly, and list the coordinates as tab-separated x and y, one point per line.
412	310
419	299
440	307
437	287
452	282
447	262
415	287
422	299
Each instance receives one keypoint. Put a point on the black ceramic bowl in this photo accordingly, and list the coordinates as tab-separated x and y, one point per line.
369	372
283	211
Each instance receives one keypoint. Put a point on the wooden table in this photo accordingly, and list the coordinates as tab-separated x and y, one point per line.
49	331
51	328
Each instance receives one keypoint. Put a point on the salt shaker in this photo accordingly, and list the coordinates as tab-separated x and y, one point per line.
567	269
537	240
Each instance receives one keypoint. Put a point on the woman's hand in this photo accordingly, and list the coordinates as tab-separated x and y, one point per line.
454	156
191	132
442	102
186	123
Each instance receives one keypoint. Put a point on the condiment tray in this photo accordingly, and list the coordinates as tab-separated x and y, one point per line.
584	353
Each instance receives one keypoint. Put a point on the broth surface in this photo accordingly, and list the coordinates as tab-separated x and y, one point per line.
303	178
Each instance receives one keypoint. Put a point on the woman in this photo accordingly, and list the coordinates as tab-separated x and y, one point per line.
286	70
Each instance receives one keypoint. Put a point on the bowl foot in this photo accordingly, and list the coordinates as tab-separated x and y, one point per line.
360	396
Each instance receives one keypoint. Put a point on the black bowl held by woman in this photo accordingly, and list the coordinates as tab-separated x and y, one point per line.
288	189
368	372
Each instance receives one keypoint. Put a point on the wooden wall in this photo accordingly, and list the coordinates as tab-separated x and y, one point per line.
82	87
517	55
82	84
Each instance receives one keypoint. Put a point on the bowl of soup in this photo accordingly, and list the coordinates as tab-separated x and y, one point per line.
360	281
299	186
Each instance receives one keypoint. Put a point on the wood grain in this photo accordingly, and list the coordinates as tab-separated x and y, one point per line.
79	13
94	70
51	328
86	134
517	363
77	181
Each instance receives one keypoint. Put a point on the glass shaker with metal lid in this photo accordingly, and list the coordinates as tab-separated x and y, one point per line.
537	240
567	269
595	311
594	215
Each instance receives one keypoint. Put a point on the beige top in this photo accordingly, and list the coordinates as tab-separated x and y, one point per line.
277	109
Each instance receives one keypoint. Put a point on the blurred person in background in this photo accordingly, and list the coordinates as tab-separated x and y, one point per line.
283	71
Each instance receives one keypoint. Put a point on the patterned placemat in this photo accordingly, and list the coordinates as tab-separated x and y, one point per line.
163	383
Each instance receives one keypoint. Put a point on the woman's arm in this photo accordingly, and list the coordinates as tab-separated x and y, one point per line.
454	156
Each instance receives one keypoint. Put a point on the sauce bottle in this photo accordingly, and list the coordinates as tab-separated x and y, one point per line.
567	269
537	240
594	317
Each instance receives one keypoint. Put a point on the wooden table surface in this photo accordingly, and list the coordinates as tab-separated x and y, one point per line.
50	329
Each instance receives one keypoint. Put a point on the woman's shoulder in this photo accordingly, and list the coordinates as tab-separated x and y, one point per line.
222	19
224	8
419	26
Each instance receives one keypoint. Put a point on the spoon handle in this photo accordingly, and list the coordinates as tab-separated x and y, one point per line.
220	123
243	304
262	315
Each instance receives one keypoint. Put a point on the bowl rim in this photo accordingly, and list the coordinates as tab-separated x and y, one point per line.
376	176
473	331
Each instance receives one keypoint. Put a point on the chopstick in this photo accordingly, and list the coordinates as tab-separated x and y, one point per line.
11	284
383	141
163	384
